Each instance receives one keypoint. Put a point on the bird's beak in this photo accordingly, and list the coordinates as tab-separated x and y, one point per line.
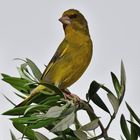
65	20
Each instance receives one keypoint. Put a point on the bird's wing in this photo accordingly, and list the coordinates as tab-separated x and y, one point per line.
58	54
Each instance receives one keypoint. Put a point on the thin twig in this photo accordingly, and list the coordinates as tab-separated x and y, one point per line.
112	118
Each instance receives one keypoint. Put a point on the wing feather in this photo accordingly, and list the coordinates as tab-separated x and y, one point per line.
58	54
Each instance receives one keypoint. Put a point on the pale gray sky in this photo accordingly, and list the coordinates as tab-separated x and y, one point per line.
30	29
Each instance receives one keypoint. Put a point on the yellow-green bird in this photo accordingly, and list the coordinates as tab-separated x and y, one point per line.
71	58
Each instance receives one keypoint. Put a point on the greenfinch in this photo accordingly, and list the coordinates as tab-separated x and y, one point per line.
71	58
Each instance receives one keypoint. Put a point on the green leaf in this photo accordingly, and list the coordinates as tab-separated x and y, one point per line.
9	100
69	132
64	123
92	95
53	88
106	89
123	82
77	122
122	138
55	111
37	73
109	138
17	83
114	101
98	101
81	135
58	138
52	100
16	111
122	93
12	136
123	75
44	99
26	110
43	123
68	138
124	128
25	120
136	128
134	135
68	110
36	108
133	113
90	126
4	75
116	84
23	74
94	87
20	59
25	131
40	136
23	97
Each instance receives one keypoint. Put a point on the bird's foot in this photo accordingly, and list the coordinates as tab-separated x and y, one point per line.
69	96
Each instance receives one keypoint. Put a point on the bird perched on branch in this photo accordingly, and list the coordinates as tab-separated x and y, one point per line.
72	56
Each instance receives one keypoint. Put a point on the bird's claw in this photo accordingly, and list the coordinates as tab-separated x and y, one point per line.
70	96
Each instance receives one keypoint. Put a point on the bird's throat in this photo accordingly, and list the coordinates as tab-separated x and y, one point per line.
64	26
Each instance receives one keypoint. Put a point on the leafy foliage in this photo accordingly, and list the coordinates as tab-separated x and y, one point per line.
134	132
50	110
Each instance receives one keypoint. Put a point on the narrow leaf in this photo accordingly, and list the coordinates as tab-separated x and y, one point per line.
68	111
122	138
54	112
17	83
5	75
134	135
133	113
34	108
64	123
123	75
54	98
23	74
53	88
109	138
40	136
25	120
116	84
68	138
92	95
81	135
12	136
124	128
37	73
114	101
106	89
43	123
136	128
98	101
90	126
25	131
9	100
122	93
16	111
94	87
20	59
23	97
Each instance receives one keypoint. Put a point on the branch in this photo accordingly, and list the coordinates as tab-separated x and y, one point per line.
112	118
85	106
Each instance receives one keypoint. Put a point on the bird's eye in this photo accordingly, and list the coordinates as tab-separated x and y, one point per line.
73	16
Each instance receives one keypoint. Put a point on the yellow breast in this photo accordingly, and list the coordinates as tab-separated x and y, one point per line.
70	67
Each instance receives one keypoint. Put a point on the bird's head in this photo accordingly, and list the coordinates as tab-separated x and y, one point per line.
73	18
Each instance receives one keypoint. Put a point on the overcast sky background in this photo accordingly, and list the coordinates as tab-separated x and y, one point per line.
30	29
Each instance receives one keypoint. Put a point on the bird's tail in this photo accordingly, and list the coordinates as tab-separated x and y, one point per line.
33	94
